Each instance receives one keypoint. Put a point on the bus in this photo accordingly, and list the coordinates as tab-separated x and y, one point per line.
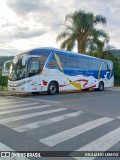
53	70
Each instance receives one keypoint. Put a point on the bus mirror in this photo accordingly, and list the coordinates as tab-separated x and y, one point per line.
26	57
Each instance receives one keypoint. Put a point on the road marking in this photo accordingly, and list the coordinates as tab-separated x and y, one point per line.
11	119
39	100
42	100
118	117
3	148
70	133
101	144
20	105
46	122
11	102
5	100
23	109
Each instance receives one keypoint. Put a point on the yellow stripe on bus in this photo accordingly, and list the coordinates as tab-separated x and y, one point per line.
76	85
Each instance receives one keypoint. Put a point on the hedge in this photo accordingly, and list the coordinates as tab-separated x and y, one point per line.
3	80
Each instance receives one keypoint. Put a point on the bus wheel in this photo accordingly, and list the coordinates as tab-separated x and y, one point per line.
101	86
52	88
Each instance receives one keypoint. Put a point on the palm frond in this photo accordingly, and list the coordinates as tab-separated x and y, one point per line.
68	17
69	43
62	35
100	19
71	29
101	34
81	26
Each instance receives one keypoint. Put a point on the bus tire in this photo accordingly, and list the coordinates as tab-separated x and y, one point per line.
52	88
101	86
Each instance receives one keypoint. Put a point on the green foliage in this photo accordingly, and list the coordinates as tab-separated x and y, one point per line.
115	53
81	27
3	80
4	59
116	63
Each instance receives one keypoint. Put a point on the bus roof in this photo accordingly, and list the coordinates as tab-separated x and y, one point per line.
62	51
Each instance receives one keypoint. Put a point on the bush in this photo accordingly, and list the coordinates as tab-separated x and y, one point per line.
3	80
116	63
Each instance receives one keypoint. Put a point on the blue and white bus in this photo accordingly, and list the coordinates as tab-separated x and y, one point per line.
53	70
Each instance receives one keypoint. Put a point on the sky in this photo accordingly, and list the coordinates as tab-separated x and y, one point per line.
28	24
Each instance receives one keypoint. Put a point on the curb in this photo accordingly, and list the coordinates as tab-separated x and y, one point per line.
8	93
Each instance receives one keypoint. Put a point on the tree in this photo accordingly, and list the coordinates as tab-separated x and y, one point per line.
4	59
109	55
80	27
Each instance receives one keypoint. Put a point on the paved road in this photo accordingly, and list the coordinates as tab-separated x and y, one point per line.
86	121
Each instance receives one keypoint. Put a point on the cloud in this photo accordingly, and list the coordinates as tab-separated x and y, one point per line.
23	7
26	33
40	17
16	32
5	52
49	13
36	23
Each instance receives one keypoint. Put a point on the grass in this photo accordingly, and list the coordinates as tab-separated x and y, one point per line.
3	80
4	88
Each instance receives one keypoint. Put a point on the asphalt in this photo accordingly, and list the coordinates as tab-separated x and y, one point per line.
40	122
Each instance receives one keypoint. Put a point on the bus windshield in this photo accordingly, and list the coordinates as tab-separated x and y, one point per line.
18	69
27	64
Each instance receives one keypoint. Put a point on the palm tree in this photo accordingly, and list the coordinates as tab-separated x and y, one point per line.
80	27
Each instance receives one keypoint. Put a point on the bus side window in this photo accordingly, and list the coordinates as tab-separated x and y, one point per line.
104	66
53	64
99	64
83	63
34	67
71	62
109	65
93	64
42	61
62	59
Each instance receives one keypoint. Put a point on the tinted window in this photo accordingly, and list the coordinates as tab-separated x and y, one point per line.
53	62
83	63
71	61
34	67
42	53
93	64
104	66
62	59
109	65
42	60
99	63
